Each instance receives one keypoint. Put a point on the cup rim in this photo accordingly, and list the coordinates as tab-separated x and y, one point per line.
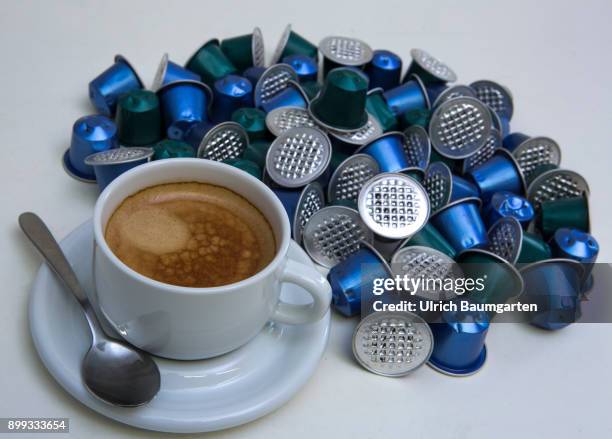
100	241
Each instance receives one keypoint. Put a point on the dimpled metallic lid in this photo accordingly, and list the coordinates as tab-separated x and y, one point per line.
438	183
433	65
371	130
346	51
257	48
419	262
556	184
506	238
460	127
350	176
535	152
282	43
456	91
311	200
417	146
298	156
494	141
282	119
119	156
271	82
160	73
495	96
227	140
392	344
394	206
334	233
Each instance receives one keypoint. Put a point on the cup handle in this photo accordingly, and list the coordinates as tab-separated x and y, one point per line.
312	281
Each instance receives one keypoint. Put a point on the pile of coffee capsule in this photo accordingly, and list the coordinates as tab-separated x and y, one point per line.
403	174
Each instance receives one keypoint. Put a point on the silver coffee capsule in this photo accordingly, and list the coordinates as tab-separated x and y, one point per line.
506	238
419	262
456	91
311	201
334	233
226	140
111	163
271	82
392	344
432	66
495	96
460	127
417	146
350	176
438	183
393	206
282	119
493	142
345	51
535	152
298	156
370	131
556	184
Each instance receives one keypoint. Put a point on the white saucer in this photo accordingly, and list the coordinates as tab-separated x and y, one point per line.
195	396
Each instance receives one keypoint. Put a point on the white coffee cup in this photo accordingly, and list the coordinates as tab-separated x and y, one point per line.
194	323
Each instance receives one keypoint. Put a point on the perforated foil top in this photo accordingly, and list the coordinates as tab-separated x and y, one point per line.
506	238
298	156
460	127
346	51
350	176
417	146
493	142
456	91
334	233
556	184
282	43
438	183
495	96
311	200
226	140
257	48
392	344
271	82
119	155
535	152
282	119
394	206
158	79
419	262
433	65
371	130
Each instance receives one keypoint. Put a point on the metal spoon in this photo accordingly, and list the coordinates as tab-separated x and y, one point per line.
113	371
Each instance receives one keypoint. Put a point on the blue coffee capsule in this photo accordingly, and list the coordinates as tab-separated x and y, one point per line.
105	89
384	70
300	204
444	187
554	285
184	103
196	133
500	173
533	154
305	67
355	276
409	96
292	96
90	134
579	246
169	71
459	342
439	93
429	68
111	163
461	224
503	204
388	150
230	93
253	73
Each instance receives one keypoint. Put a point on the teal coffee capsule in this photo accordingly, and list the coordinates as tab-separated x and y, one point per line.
341	104
430	69
429	236
554	185
210	63
291	43
564	213
168	149
377	106
533	249
257	151
246	166
138	118
253	121
344	52
245	51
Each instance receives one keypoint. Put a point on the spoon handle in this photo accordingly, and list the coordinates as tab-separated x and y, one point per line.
38	233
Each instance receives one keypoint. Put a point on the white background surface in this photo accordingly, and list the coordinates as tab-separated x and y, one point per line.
554	57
